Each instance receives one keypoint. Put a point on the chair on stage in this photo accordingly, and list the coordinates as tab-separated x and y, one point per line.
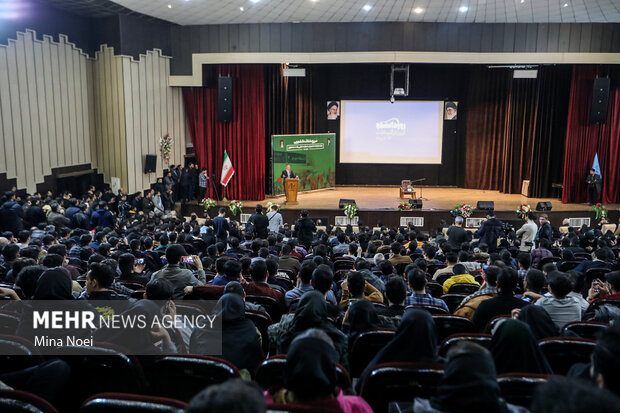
406	189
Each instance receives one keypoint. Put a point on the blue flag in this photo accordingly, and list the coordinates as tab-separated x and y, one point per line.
596	166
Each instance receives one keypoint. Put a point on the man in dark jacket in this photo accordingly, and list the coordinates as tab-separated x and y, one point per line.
594	186
11	214
260	223
56	218
544	231
147	202
80	219
305	227
35	214
102	217
489	231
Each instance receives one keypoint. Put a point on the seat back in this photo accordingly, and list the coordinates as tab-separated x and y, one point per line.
442	278
270	374
8	323
434	288
366	346
547	260
262	321
182	376
271	305
400	382
206	292
432	268
586	329
463	288
563	352
519	388
482	339
567	265
448	325
131	403
98	369
15	401
433	309
494	321
453	300
17	353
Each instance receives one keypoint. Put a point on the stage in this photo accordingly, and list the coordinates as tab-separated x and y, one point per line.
380	204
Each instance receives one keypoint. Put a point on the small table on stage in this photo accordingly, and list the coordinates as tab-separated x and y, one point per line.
406	189
290	190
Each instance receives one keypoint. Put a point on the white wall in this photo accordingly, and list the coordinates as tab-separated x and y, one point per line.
60	108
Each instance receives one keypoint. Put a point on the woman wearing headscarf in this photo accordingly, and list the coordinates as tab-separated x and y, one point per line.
312	313
415	341
515	350
539	321
362	317
310	377
468	385
240	342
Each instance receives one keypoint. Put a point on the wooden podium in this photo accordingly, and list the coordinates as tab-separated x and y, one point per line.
290	189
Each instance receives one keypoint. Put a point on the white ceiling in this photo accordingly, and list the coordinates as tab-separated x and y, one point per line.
189	12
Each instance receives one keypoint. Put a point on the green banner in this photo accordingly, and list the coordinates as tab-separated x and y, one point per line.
312	159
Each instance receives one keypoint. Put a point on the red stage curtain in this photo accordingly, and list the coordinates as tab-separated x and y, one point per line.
243	138
583	140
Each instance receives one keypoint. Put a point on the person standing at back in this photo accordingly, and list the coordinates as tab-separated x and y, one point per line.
456	234
220	224
260	222
275	219
305	228
489	231
528	232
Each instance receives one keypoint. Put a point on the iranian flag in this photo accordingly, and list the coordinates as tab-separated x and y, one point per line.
227	170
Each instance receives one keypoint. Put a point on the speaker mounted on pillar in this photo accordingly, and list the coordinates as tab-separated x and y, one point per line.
600	100
415	203
224	99
150	163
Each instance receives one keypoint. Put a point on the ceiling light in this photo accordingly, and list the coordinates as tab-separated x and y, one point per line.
241	8
367	7
565	5
418	10
463	9
170	6
522	1
254	1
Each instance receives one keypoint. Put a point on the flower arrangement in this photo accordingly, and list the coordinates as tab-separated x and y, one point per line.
463	210
165	147
235	207
350	210
601	210
270	204
404	206
523	210
208	203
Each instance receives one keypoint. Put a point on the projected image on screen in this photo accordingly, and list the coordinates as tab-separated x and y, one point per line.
407	132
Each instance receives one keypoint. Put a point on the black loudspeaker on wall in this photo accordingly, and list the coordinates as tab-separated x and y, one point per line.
344	202
415	203
486	205
224	99
600	100
150	163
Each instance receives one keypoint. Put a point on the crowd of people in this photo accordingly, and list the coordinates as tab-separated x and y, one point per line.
321	289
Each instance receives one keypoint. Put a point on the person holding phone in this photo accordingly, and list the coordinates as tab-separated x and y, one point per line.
177	276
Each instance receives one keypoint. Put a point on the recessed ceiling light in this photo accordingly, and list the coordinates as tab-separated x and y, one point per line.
241	8
522	1
463	9
367	7
565	5
418	10
170	6
254	1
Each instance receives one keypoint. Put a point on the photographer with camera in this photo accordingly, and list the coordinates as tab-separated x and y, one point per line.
528	232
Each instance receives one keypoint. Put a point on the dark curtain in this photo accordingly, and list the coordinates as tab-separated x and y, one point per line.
289	107
243	138
583	140
514	129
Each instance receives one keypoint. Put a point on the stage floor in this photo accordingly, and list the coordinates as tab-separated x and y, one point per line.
387	198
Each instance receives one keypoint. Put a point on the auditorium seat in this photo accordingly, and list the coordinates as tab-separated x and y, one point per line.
563	352
442	278
300	408
17	353
519	388
432	268
189	309
453	300
16	401
130	403
290	273
343	264
547	260
262	321
601	302
271	305
365	347
433	309
206	292
399	382
463	288
270	374
586	329
568	265
448	325
131	285
434	288
138	294
482	339
595	273
9	321
97	369
181	376
493	322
